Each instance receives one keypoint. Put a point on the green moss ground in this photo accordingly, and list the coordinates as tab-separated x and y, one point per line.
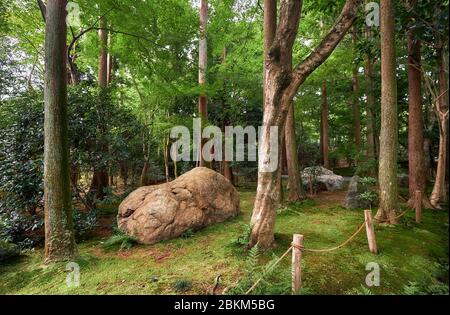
409	253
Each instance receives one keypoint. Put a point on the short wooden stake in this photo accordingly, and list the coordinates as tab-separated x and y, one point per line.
370	232
418	206
297	263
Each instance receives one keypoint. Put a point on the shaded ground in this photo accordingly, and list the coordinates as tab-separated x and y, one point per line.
409	253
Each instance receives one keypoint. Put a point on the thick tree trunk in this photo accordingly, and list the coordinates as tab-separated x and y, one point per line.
416	154
438	195
59	233
389	130
324	128
281	85
296	191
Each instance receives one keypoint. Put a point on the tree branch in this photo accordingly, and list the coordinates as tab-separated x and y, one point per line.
287	29
327	46
43	9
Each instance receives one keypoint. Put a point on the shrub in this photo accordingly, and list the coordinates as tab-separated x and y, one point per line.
8	251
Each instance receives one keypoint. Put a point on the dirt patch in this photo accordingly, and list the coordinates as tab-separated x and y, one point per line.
326	199
104	228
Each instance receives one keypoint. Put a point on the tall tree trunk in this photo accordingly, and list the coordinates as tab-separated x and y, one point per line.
370	119
296	191
103	55
202	67
59	233
270	27
100	177
281	85
227	171
324	126
438	194
109	63
389	130
355	103
416	154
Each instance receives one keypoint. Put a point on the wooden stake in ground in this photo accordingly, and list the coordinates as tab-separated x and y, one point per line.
297	244
370	232
418	206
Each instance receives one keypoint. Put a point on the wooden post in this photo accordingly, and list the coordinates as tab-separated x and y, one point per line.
370	232
297	263
418	206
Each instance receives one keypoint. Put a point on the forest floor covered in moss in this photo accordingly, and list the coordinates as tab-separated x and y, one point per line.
413	258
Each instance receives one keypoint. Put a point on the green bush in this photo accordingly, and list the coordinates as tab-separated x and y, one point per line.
8	251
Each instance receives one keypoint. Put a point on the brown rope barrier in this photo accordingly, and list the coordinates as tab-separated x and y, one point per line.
396	217
339	246
276	263
302	248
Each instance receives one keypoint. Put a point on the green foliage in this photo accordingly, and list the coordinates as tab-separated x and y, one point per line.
361	290
8	251
273	277
368	196
181	286
119	241
188	233
243	239
84	222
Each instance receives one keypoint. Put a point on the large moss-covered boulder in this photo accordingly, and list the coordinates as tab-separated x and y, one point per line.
194	200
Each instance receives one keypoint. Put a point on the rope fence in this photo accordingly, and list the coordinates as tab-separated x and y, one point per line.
298	248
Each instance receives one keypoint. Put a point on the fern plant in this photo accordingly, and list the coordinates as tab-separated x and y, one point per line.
120	240
274	278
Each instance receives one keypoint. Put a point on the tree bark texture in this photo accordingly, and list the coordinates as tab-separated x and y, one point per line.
59	233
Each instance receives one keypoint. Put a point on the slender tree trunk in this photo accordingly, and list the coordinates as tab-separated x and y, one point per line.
416	154
438	195
100	176
389	129
227	171
103	55
355	103
281	85
109	63
296	191
166	157
324	130
144	174
202	66
270	27
59	233
124	175
370	119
